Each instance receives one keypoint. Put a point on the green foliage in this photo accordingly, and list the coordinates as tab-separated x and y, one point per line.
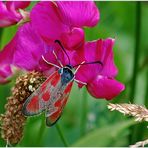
106	136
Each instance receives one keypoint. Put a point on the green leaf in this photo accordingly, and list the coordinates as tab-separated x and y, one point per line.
6	35
106	136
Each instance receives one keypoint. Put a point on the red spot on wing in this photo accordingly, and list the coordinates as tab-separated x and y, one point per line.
55	115
46	96
65	100
62	101
52	79
55	80
33	105
58	103
43	86
49	79
68	88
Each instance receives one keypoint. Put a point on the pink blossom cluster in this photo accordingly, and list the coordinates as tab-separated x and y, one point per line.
63	21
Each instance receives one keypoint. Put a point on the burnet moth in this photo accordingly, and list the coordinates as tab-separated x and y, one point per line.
52	95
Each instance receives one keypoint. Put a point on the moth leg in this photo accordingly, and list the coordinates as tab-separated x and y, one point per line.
50	63
79	67
57	59
78	81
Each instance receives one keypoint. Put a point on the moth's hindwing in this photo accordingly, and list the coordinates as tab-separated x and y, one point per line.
51	119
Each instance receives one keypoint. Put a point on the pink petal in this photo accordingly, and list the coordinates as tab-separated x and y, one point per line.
29	48
24	50
74	39
103	87
50	57
5	71
9	14
17	4
45	19
88	72
79	14
6	55
100	50
7	17
107	57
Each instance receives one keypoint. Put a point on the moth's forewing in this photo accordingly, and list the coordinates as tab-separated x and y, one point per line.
38	101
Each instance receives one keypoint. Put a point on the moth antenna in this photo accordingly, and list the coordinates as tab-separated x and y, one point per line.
57	41
50	63
86	63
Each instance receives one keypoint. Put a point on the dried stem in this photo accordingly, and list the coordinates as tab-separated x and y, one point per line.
140	144
139	112
13	121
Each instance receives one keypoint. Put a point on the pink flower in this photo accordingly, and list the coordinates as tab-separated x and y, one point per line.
9	12
100	77
50	21
64	21
5	71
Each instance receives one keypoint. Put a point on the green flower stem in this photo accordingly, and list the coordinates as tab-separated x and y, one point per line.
137	51
134	130
141	68
146	91
61	135
84	112
142	126
41	132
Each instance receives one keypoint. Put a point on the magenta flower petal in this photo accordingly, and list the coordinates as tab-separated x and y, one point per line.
45	19
74	39
24	50
100	50
62	21
103	87
9	14
79	14
100	77
107	58
17	5
5	71
6	17
29	48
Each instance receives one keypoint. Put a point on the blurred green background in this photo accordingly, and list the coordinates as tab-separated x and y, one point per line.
86	121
